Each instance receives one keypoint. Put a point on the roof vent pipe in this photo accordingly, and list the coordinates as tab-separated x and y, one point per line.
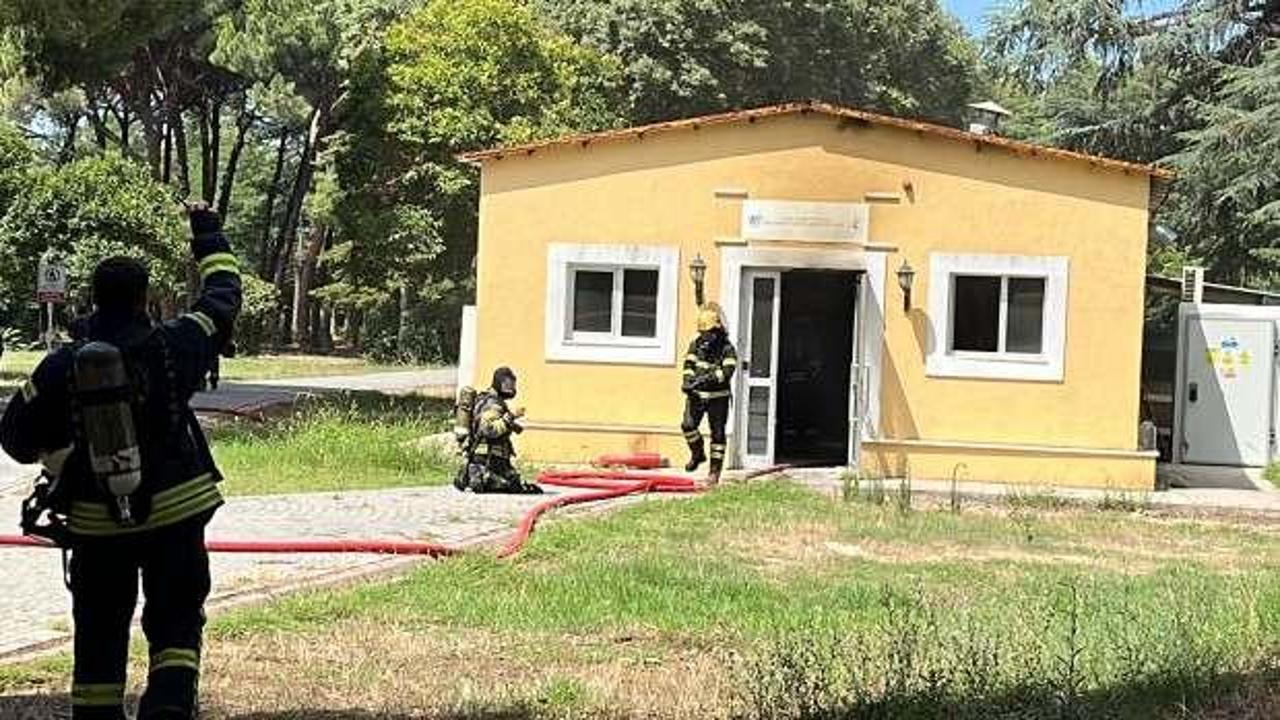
985	117
1193	285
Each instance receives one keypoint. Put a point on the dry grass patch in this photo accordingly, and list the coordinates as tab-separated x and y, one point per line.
435	672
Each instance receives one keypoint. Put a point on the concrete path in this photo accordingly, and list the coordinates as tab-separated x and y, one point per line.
1211	477
35	607
1262	500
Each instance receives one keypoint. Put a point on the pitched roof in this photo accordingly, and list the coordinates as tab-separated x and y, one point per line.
836	111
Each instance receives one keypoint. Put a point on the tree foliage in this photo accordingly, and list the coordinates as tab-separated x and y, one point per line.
450	77
1192	86
85	211
688	57
327	130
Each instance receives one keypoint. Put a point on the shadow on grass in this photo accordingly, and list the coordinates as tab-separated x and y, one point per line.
1254	696
513	714
355	407
1238	697
50	706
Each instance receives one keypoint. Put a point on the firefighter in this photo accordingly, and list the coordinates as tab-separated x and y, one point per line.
489	467
135	484
708	369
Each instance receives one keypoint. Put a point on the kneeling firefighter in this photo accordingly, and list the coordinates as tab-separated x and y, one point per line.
483	426
708	369
129	483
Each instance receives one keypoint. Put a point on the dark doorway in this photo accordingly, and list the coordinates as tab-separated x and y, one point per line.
815	352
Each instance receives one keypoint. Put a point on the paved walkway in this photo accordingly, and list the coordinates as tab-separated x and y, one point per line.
35	608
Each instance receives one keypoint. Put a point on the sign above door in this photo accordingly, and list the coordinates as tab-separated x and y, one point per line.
834	222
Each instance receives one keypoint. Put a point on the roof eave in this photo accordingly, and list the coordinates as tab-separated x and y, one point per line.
1158	174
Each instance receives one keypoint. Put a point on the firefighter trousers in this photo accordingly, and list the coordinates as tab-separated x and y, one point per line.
716	411
174	567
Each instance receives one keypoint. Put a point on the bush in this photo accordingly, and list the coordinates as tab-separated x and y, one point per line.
85	211
261	299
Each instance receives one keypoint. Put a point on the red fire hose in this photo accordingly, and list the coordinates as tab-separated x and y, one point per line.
606	484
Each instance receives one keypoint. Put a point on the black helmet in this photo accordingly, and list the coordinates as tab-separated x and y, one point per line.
504	383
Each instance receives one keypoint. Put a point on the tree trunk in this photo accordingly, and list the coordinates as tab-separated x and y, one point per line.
154	137
266	262
126	124
210	149
233	163
321	340
180	151
166	159
355	323
308	256
301	185
68	150
328	321
98	119
405	321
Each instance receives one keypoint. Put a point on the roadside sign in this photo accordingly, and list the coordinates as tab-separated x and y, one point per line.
51	282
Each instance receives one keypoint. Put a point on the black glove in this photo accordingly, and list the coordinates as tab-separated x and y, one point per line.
203	220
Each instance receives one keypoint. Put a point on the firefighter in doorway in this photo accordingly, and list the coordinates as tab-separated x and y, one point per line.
708	369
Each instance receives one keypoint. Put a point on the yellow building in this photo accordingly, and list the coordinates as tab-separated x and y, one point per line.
1012	354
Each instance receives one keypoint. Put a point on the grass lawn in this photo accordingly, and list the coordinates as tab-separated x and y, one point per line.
1272	474
359	442
16	365
771	601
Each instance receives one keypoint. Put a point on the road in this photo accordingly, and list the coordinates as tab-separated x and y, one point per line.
255	396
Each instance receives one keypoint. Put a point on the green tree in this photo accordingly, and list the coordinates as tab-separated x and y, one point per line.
1231	191
16	158
85	211
689	57
1187	86
452	76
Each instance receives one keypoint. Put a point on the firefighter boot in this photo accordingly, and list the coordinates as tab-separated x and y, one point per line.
717	462
697	456
713	476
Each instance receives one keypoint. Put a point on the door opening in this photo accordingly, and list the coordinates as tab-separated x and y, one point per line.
815	361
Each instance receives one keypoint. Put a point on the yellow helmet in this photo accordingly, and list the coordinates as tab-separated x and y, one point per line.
709	317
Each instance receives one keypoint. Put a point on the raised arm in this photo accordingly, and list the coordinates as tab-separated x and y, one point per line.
200	335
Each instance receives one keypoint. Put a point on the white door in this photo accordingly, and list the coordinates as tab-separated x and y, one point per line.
859	377
758	401
1227	392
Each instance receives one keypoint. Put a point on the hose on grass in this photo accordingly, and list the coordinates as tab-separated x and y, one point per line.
605	484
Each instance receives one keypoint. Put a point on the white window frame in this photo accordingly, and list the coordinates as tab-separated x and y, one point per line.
614	336
563	344
1047	365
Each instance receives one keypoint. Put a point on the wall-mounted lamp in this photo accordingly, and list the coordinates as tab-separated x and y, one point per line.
698	272
906	276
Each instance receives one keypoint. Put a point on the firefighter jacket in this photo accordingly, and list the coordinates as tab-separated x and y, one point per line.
179	477
495	424
709	365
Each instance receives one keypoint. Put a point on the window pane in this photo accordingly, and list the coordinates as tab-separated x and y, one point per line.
640	303
1026	316
592	301
975	315
758	421
762	293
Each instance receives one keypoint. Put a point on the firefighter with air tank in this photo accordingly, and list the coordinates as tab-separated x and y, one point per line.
129	482
483	426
